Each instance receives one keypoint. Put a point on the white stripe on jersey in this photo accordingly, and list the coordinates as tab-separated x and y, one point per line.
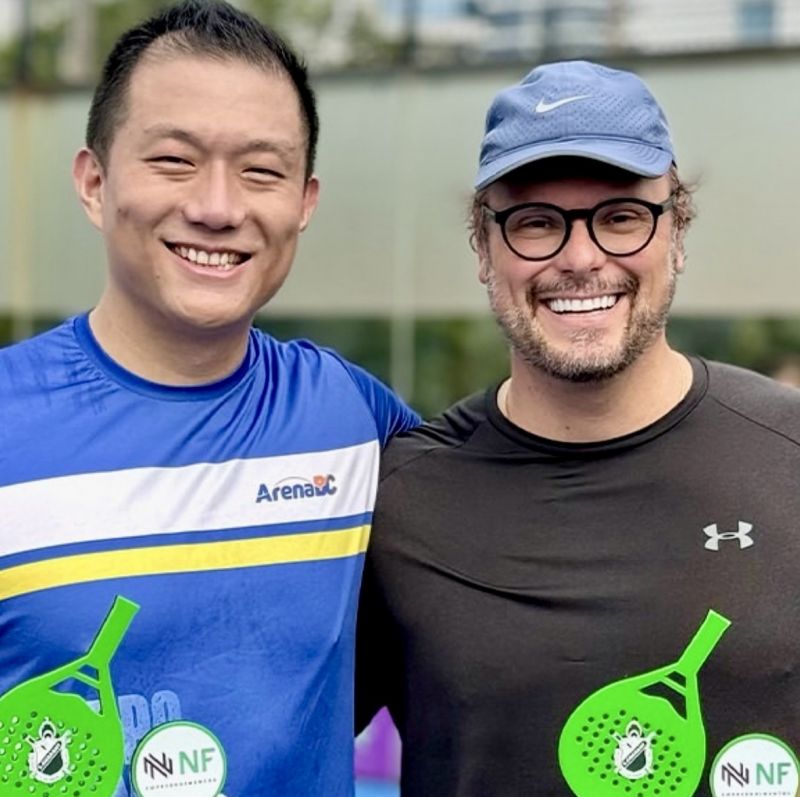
198	497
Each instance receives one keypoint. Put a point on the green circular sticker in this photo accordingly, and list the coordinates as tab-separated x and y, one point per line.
755	765
179	759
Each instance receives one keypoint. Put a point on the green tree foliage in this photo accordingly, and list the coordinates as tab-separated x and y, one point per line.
116	17
762	344
38	65
457	356
113	19
33	63
369	47
283	13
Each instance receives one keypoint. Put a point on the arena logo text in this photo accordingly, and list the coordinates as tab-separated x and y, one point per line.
294	488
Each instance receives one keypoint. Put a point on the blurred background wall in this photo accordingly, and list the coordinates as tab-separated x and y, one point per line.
385	273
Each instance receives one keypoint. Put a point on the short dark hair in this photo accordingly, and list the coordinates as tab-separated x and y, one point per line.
210	28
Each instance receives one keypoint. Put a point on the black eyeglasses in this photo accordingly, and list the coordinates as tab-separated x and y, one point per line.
619	227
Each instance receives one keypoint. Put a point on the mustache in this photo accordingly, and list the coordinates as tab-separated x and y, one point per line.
589	285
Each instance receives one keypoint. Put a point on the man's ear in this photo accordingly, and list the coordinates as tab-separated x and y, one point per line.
678	252
89	179
484	264
310	199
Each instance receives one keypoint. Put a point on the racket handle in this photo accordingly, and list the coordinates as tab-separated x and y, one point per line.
111	633
703	642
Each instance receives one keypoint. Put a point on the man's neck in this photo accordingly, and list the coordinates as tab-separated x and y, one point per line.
582	412
167	356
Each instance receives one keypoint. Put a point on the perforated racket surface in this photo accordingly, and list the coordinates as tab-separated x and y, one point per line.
52	743
642	736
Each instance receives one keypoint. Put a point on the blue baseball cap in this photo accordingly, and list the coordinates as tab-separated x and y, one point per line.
579	109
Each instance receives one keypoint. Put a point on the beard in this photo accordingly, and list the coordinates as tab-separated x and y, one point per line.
586	358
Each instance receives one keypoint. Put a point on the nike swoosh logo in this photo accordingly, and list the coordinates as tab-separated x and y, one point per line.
544	107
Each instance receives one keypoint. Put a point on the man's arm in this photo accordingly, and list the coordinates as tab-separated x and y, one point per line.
378	656
392	415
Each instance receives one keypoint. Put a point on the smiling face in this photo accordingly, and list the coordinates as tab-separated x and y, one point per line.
202	197
581	315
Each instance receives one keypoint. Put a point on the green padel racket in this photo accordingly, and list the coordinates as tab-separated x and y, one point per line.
52	743
642	736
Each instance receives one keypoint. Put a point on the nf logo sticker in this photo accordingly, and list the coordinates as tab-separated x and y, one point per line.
741	535
755	765
179	759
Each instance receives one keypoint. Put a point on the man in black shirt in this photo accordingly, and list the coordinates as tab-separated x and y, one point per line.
583	580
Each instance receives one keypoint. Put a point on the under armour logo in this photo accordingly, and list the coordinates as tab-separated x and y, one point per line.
715	535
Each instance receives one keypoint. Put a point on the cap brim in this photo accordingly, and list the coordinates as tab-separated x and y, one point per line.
636	158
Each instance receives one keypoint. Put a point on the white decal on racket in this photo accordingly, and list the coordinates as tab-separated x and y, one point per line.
48	760
633	758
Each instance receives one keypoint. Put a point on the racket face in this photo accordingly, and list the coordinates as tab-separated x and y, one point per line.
53	744
622	743
642	735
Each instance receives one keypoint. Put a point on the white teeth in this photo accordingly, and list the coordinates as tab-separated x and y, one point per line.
582	305
224	261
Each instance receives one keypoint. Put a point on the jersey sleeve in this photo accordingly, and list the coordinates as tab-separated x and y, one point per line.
392	415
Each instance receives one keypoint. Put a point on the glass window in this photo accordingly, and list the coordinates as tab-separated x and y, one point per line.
757	20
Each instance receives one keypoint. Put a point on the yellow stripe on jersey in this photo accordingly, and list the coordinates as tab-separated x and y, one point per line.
191	558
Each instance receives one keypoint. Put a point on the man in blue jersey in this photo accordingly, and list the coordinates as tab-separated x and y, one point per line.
185	501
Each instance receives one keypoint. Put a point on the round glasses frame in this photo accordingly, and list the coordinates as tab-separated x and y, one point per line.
656	209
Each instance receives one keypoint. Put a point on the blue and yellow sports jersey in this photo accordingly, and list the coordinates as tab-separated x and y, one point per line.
229	522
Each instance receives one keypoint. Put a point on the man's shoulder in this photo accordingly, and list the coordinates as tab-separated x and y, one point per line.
52	338
756	397
323	375
447	431
295	348
31	355
299	352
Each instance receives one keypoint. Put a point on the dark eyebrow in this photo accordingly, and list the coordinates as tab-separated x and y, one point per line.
165	131
264	145
285	151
